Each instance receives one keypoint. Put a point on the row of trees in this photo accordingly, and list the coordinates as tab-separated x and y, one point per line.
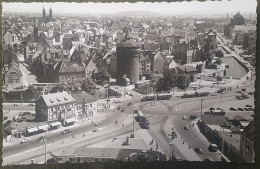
173	78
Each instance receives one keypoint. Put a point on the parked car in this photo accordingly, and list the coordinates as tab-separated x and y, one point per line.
129	104
186	127
219	108
250	93
119	107
240	109
240	98
213	148
244	89
246	109
123	109
65	131
238	91
251	109
211	108
184	117
31	104
25	140
224	92
213	94
198	150
95	130
193	117
97	123
248	105
232	108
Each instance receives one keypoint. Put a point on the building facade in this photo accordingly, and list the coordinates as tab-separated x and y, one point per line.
86	105
13	77
56	107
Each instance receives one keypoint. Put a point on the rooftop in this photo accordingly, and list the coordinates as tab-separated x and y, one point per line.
88	98
57	98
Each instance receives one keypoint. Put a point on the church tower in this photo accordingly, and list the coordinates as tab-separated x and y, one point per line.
50	14
43	14
35	29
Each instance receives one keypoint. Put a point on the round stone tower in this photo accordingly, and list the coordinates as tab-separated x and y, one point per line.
127	59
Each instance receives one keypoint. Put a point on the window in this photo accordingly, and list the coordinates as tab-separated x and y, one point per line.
90	104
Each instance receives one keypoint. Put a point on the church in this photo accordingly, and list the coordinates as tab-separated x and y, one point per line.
46	18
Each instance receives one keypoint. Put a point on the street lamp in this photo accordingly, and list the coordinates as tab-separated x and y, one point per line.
107	86
133	122
45	146
154	88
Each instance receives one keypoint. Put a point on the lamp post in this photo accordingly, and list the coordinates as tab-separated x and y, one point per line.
201	109
45	146
107	86
133	122
154	88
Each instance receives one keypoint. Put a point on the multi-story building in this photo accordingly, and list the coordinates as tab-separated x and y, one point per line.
86	105
56	107
247	143
13	77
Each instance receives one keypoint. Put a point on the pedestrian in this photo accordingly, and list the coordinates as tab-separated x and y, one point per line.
152	141
123	125
189	146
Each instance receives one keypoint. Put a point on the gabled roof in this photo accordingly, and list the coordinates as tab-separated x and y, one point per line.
57	98
14	71
88	98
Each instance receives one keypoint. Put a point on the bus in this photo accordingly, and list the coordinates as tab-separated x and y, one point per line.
164	96
142	120
218	112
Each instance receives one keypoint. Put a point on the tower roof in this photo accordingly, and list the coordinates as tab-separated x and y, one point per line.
127	42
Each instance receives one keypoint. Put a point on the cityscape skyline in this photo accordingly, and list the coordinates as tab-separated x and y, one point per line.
174	8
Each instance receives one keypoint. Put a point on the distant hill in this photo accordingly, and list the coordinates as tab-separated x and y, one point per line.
138	14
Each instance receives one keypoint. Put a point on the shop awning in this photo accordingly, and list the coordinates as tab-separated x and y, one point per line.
33	129
43	127
70	120
55	124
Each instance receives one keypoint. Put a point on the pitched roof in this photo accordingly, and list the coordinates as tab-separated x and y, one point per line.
14	70
54	99
249	131
216	120
70	69
83	95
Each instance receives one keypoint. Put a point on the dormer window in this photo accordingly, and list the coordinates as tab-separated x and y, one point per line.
65	98
58	100
51	101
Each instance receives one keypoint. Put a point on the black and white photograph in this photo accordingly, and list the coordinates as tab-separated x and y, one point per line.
133	82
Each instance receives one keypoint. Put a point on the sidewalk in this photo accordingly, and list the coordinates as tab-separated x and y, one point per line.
183	148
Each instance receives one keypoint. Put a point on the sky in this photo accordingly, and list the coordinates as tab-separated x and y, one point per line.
194	7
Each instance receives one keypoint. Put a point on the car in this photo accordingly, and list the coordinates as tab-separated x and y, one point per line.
31	104
213	148
119	107
184	117
244	83
246	109
250	93
244	89
219	108
211	108
232	108
130	94
246	97
95	130
251	109
248	105
240	109
25	140
198	150
238	91
186	127
123	109
240	98
224	92
237	96
118	101
193	117
65	131
214	94
129	104
97	123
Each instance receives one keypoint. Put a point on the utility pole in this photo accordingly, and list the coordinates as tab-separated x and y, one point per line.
45	146
154	92
133	122
201	109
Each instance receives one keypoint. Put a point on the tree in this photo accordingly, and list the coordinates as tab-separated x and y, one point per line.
219	54
101	77
88	86
218	61
183	81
